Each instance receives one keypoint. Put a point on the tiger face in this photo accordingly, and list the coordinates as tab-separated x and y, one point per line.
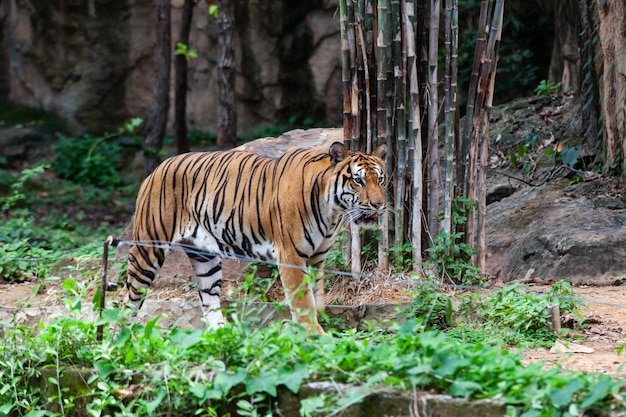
361	188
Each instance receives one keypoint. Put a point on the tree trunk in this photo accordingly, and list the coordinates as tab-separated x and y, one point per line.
157	117
565	60
611	49
227	117
180	68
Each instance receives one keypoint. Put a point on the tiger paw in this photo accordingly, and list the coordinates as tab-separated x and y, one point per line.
214	319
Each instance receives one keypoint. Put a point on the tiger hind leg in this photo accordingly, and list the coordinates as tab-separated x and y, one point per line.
208	270
143	265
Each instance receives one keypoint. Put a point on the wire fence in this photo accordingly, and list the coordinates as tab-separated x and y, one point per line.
413	281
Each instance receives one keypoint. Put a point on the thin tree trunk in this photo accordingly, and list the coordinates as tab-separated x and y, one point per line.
180	68
227	116
433	113
157	117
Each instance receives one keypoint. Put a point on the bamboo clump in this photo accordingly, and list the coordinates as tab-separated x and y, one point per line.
397	42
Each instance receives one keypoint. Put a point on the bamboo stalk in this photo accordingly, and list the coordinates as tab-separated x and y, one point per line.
400	87
469	145
382	43
452	38
490	70
345	72
356	97
367	97
368	34
415	135
433	112
446	223
354	77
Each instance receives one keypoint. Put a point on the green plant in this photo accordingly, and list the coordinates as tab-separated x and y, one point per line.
522	154
148	370
401	257
88	160
525	311
18	187
546	88
450	254
432	307
182	49
334	260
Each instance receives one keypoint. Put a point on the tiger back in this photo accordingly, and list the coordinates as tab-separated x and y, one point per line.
286	210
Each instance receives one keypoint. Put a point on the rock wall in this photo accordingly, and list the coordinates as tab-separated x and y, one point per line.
91	61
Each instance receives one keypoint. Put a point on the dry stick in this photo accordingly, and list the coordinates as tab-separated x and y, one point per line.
481	197
433	105
382	43
415	136
469	146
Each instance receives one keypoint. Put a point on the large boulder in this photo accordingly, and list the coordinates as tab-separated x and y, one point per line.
557	232
92	62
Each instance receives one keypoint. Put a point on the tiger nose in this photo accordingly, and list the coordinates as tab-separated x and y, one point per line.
377	204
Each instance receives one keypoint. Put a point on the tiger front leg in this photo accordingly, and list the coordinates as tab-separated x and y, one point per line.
208	269
300	298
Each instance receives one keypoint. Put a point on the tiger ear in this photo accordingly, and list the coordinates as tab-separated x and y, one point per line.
338	152
380	151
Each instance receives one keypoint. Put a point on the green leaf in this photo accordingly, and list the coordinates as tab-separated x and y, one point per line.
147	331
597	392
464	389
267	382
531	413
123	337
292	378
152	405
450	365
224	381
199	390
104	368
108	316
186	339
563	396
36	413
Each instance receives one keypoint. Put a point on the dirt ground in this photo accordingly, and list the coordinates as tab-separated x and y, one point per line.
600	339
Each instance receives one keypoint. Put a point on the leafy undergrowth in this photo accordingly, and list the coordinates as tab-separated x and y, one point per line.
149	370
512	316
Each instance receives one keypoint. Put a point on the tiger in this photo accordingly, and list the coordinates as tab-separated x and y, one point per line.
286	210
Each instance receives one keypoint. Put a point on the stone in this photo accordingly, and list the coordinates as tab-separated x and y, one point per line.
22	143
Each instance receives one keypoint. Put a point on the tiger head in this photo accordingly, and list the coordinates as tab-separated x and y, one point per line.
360	183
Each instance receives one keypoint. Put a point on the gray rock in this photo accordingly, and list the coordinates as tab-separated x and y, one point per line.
22	143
